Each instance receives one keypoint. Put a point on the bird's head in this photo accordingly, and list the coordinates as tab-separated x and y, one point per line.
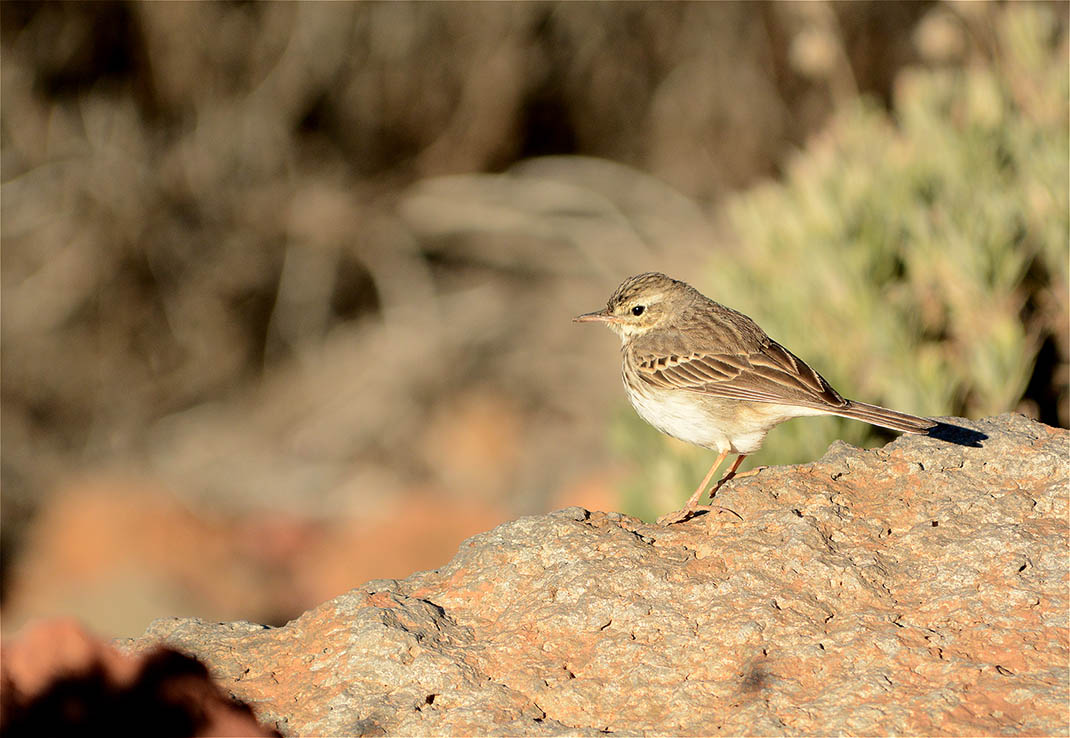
640	304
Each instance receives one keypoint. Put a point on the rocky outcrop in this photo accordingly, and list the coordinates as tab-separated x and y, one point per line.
58	680
914	589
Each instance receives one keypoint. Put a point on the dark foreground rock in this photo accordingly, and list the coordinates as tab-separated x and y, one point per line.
56	679
916	589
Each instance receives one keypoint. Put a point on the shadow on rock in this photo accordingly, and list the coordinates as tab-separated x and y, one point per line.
957	434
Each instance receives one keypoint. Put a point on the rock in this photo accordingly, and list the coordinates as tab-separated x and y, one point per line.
60	680
914	589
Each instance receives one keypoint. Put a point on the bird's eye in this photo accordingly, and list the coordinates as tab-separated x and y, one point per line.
638	310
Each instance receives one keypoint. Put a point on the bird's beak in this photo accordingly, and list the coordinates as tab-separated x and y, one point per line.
599	316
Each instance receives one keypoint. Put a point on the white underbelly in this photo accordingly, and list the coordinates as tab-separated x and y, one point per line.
716	423
678	417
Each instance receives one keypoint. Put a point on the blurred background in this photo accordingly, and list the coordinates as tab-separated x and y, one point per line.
286	288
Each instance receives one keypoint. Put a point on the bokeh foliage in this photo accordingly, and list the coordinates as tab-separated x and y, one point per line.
288	256
917	258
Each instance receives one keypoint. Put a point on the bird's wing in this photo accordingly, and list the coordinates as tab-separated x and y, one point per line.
767	373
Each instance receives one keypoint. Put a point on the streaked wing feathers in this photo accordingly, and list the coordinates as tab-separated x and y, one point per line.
772	374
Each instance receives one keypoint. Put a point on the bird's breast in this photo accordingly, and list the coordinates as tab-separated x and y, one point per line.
717	423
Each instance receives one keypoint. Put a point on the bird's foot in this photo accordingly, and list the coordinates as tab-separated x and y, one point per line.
689	510
750	473
733	475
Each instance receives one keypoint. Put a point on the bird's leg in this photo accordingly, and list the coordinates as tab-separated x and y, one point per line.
732	474
706	480
750	473
692	506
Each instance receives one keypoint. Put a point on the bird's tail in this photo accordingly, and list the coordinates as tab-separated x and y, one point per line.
885	418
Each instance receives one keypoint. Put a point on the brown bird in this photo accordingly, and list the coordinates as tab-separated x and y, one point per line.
706	374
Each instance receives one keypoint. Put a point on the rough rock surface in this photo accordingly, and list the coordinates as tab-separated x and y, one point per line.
916	589
56	679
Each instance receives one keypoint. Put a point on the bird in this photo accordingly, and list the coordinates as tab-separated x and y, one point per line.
709	375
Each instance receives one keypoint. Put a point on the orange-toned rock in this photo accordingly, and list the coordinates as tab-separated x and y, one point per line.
915	589
119	554
59	680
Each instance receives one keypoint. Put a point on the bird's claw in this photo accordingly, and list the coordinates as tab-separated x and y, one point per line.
686	512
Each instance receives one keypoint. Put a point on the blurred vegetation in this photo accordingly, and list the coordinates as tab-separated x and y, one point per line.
918	258
317	258
211	209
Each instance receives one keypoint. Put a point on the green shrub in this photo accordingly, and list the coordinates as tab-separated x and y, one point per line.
917	260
